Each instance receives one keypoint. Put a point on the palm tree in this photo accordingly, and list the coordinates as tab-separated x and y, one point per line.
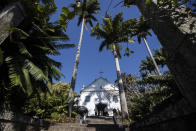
85	11
142	33
115	31
25	64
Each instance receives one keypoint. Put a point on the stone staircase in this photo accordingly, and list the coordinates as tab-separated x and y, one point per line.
99	120
10	121
92	124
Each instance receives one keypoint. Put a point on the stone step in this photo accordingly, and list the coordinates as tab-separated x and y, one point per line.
99	120
62	128
89	127
92	124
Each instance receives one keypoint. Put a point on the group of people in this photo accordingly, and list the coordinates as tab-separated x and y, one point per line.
101	112
98	112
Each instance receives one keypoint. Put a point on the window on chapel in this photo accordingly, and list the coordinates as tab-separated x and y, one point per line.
87	99
115	99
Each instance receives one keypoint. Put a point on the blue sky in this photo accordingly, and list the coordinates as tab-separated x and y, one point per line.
91	60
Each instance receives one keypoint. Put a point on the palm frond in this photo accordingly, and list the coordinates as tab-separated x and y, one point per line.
103	44
142	29
36	27
54	72
35	71
14	71
107	25
28	83
23	50
98	32
20	31
85	10
79	20
47	50
114	30
64	46
116	22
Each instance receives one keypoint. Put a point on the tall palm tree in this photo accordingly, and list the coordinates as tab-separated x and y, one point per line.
142	33
115	31
85	10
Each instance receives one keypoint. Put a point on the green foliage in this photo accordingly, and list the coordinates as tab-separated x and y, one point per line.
61	119
86	9
148	1
65	17
142	103
147	65
141	100
52	106
114	31
142	29
129	82
25	64
65	11
145	92
190	4
127	3
55	115
132	2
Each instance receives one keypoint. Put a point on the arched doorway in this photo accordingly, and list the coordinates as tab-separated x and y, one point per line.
101	110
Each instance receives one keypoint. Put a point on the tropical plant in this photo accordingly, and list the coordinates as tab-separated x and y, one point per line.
129	82
149	91
115	31
147	65
145	92
51	107
168	2
85	11
25	62
151	79
171	30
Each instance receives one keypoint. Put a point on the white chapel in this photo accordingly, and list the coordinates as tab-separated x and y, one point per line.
100	98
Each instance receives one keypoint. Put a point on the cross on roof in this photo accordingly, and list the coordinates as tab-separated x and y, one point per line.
100	73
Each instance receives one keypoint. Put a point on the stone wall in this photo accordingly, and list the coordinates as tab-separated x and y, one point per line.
174	114
183	123
10	121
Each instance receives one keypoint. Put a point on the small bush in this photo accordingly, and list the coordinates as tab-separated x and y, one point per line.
55	115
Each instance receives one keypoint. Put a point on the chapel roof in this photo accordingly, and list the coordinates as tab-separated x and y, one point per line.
100	78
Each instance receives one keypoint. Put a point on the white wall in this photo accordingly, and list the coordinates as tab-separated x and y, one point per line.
100	95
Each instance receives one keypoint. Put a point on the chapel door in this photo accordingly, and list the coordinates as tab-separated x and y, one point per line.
100	109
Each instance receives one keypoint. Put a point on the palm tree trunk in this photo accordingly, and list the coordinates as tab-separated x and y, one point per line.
150	53
74	74
11	16
123	100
